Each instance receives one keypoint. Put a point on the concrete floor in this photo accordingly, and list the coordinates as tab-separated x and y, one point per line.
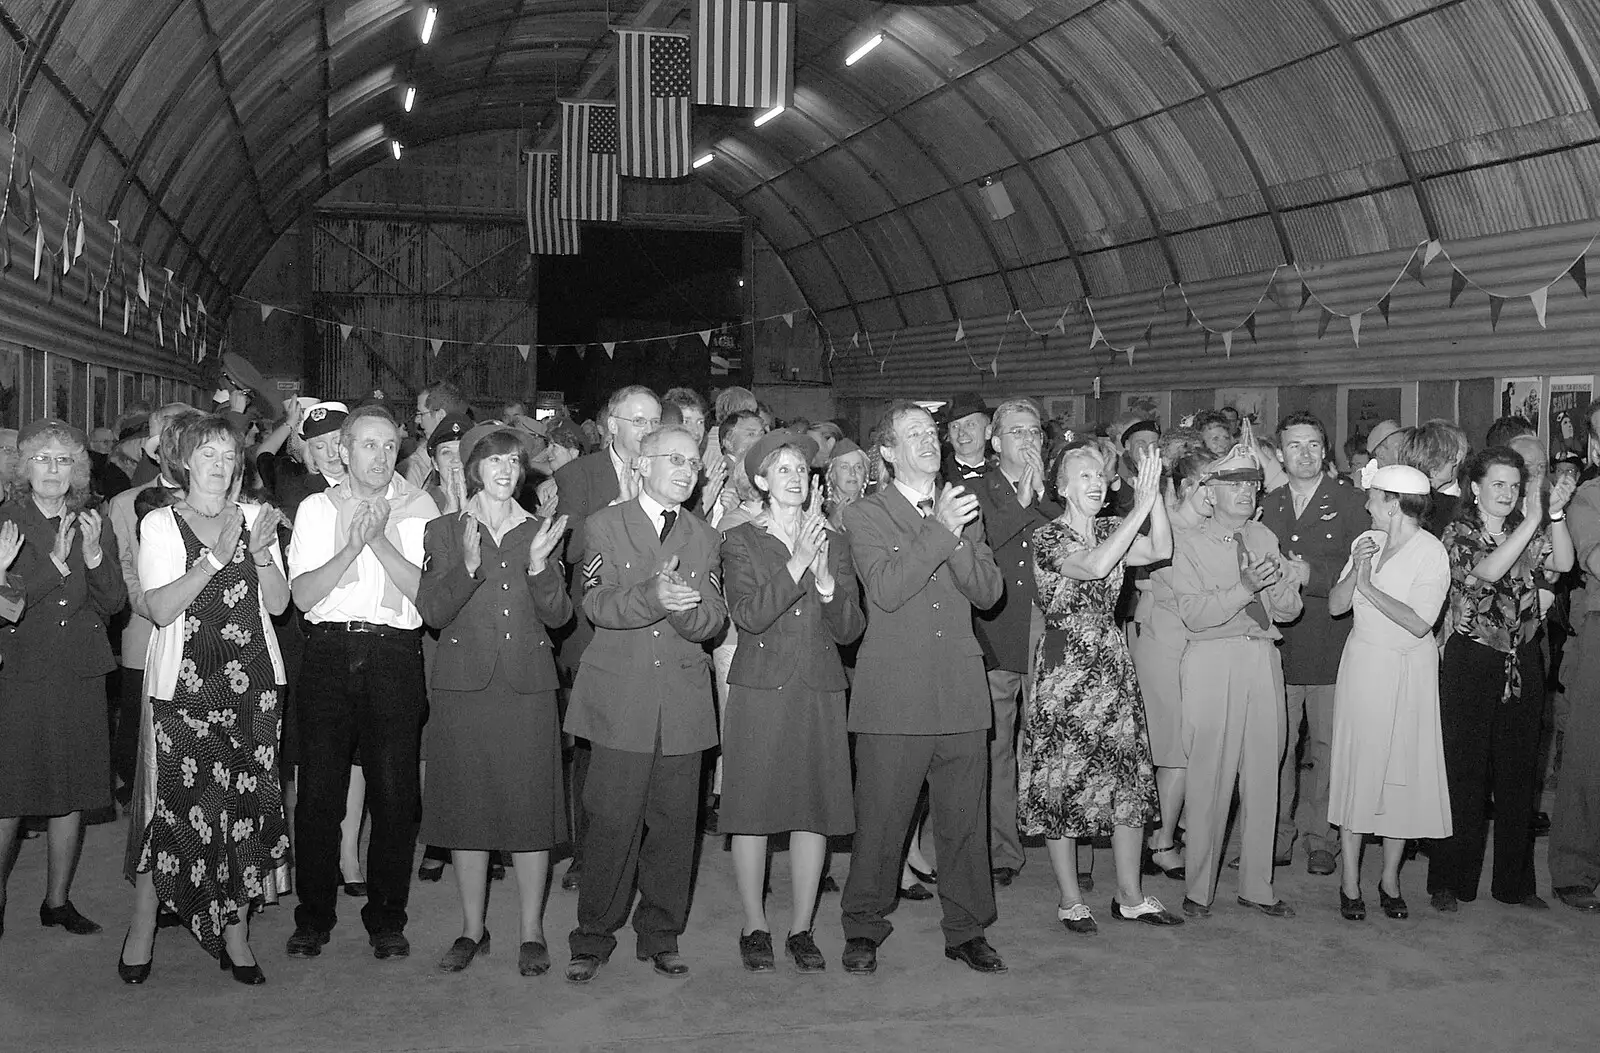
1489	978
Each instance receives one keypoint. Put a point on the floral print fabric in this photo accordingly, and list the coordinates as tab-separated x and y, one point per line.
1084	763
1494	613
218	830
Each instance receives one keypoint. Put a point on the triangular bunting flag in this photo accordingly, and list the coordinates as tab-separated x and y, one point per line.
1162	300
200	305
161	333
1061	324
581	349
1097	339
994	364
1383	307
1496	304
345	331
1145	336
788	319
1206	348
144	289
1096	387
1305	296
705	337
961	331
1250	326
266	311
855	341
1188	316
1130	354
437	345
1355	327
1541	300
127	310
523	349
1431	253
1227	343
1579	272
38	250
1414	268
611	348
102	307
1323	322
77	246
1458	285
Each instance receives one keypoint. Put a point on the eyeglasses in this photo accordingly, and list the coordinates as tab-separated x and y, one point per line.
641	422
1238	485
45	460
678	460
1020	432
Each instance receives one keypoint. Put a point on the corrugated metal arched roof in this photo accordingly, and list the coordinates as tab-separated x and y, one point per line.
1142	141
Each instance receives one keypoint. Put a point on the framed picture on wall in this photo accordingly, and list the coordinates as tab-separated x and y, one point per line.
11	390
1360	407
1522	397
147	390
1259	405
129	382
1567	423
59	372
101	410
1147	405
35	384
166	391
80	396
1070	410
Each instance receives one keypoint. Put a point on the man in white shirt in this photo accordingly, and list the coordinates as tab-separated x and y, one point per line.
354	564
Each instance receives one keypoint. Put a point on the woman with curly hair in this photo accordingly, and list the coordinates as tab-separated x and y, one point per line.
55	756
209	837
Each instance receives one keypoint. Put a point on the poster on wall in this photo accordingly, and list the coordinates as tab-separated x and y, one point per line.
58	370
1147	405
10	386
1070	410
1367	406
100	409
1567	425
80	396
130	391
1259	405
1522	397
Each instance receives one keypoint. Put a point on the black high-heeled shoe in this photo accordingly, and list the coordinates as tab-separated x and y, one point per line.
1152	868
357	889
927	877
1353	909
135	974
1393	906
430	873
249	975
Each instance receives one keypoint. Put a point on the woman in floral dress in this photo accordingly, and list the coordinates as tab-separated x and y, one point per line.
1084	767
212	840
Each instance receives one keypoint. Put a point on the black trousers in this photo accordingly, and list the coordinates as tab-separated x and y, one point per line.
1491	749
125	742
366	689
643	811
890	770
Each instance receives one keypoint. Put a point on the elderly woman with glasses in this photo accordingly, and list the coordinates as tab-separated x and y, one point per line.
55	755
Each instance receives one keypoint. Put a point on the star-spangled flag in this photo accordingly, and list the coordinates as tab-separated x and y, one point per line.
589	181
548	233
652	104
744	53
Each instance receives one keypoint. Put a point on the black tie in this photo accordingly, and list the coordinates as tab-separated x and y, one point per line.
925	507
667	519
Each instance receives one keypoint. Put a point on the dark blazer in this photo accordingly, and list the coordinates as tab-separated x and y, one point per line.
786	633
498	615
1002	630
920	669
645	674
62	633
1322	535
584	485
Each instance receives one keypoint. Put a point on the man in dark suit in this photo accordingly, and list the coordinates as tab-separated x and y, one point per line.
1011	497
643	700
1316	519
920	703
583	487
968	433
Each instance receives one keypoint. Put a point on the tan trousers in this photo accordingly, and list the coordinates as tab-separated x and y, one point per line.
1233	716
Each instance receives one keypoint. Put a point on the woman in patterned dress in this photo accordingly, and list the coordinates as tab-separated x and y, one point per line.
214	841
1084	767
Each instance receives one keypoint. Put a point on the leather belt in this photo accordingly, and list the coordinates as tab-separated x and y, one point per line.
374	628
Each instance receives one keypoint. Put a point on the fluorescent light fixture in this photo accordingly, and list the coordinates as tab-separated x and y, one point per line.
394	148
704	159
411	97
861	52
765	117
427	24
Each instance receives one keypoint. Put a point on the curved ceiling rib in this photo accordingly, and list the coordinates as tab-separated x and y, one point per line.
1149	138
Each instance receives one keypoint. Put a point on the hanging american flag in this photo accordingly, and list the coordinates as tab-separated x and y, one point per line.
744	53
653	104
588	187
548	233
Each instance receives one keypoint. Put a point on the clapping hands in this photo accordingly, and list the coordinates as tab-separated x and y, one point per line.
544	543
675	594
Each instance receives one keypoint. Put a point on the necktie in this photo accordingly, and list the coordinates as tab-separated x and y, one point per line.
667	519
1255	608
925	507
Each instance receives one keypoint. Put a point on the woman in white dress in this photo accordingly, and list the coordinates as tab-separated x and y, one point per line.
1387	775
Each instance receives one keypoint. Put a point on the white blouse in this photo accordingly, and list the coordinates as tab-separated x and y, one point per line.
163	560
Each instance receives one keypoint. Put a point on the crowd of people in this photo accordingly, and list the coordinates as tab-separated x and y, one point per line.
515	637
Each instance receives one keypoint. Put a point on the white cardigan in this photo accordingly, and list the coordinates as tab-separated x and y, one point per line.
163	560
